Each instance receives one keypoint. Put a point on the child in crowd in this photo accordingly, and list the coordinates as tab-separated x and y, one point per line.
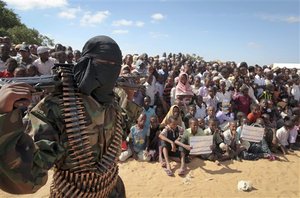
153	147
211	114
225	114
167	90
200	107
242	100
168	137
294	132
231	139
174	112
201	123
31	70
184	142
283	134
20	72
148	111
254	114
191	113
210	99
138	139
220	150
10	65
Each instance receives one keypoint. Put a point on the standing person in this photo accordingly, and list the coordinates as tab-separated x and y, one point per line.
45	62
26	57
78	132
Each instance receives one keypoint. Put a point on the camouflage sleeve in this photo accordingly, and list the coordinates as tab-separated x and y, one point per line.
25	160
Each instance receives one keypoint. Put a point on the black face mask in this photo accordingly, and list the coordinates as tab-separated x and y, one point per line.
98	79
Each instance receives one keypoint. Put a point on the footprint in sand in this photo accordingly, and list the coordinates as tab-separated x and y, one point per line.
188	178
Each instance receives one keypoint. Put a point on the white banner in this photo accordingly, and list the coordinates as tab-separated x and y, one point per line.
252	134
201	144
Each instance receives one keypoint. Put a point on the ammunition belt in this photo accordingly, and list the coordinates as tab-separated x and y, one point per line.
85	178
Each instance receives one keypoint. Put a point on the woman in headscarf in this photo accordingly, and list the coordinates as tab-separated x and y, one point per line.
183	89
174	112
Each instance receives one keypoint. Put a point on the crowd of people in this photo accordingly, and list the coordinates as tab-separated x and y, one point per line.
180	96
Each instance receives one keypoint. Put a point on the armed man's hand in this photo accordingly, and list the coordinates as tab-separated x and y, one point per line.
12	93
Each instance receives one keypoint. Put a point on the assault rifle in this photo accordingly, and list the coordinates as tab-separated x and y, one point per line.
46	84
40	83
43	85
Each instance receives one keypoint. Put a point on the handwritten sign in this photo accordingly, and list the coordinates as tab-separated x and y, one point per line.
201	144
252	134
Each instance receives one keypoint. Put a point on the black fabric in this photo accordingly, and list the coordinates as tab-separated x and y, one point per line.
98	80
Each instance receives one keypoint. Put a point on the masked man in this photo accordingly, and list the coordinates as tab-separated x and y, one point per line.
76	130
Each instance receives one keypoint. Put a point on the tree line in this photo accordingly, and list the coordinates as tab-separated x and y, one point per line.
11	26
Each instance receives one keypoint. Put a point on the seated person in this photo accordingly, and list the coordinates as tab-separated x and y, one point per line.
20	72
225	115
174	112
254	114
270	134
220	149
200	107
201	123
138	141
282	136
231	139
184	142
256	150
191	113
168	137
10	65
294	132
211	114
153	147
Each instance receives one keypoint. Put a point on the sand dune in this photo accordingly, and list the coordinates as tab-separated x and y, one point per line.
206	179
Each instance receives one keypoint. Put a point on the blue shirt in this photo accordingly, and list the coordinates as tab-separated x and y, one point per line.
138	137
150	112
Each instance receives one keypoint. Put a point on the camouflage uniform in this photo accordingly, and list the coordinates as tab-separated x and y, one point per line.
76	129
25	163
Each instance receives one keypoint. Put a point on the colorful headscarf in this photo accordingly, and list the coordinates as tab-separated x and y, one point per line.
183	89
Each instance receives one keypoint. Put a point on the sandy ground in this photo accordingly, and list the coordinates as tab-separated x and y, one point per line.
206	179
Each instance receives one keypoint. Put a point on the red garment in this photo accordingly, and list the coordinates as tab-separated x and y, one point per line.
242	103
252	117
6	74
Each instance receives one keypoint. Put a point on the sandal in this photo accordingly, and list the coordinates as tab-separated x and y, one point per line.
181	172
163	165
187	159
169	172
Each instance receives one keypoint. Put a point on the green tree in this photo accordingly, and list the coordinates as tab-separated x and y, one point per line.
10	25
21	34
8	18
